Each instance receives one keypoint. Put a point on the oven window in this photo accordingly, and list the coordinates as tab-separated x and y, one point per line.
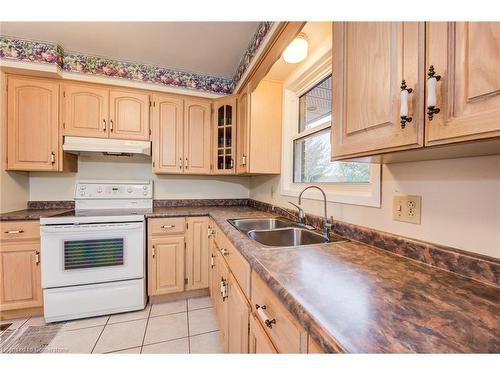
93	253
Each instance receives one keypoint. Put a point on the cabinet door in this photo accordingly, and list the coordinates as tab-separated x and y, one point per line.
370	62
32	124
197	137
243	127
237	318
85	110
129	115
259	342
166	265
224	129
467	57
20	276
197	253
168	124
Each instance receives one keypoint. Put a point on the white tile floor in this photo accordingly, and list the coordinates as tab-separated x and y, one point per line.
184	326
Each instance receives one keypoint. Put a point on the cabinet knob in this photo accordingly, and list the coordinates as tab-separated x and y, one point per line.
52	157
187	163
262	312
432	79
110	125
153	252
37	258
103	125
403	112
224	251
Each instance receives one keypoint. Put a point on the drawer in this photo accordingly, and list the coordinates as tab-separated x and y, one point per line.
19	230
287	335
237	264
166	226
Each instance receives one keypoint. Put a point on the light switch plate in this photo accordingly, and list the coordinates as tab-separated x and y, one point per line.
407	208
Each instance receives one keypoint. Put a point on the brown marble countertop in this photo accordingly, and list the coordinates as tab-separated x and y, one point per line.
32	214
356	298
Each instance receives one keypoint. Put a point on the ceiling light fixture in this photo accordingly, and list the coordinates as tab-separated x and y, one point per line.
297	50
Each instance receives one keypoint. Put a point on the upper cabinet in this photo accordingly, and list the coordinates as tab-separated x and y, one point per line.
371	64
97	111
181	135
85	110
224	130
197	136
259	129
395	90
33	125
466	57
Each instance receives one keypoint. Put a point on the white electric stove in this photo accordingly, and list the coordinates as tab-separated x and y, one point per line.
93	258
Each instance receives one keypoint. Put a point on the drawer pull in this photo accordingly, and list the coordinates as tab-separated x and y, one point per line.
432	79
261	311
224	251
223	288
153	252
14	231
167	226
212	260
37	258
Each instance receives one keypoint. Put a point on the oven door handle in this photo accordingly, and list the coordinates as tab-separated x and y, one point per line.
85	228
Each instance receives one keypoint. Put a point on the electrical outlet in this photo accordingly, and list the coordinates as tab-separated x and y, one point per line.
407	208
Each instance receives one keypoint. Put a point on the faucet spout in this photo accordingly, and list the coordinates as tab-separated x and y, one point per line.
326	223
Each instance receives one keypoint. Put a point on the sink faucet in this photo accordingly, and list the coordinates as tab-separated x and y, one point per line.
326	223
302	216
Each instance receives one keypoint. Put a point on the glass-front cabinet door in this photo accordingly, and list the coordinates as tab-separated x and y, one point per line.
225	135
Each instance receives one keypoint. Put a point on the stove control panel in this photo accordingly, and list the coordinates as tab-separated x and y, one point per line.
114	190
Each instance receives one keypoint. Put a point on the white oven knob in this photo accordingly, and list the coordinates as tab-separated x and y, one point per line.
144	192
144	188
82	193
99	189
129	190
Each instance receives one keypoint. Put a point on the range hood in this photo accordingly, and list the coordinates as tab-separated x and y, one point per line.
118	147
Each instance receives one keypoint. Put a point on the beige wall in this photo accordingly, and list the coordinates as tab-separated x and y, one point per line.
14	186
59	186
460	202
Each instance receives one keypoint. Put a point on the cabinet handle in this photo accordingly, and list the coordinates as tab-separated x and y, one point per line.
223	289
14	231
261	311
224	251
403	112
167	226
212	260
110	125
153	253
180	163
232	163
52	157
187	163
104	125
431	93
244	160
37	258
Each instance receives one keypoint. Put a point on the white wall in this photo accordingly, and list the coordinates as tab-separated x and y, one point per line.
14	186
460	202
59	186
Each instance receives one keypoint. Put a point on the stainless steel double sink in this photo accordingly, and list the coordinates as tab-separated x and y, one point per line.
280	232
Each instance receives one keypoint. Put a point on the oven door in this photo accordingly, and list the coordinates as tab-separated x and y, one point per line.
91	253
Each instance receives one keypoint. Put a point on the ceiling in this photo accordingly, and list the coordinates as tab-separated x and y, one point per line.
213	48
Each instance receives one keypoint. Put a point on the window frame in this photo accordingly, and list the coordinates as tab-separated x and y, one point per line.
298	83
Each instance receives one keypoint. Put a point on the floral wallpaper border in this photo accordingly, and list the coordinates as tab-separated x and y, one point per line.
53	54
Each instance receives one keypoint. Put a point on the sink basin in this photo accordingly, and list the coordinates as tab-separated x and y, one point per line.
267	223
287	237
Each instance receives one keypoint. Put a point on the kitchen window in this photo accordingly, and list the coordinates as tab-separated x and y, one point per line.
307	149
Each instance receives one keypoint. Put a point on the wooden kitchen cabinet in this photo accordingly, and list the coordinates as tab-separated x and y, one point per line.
129	115
197	253
103	112
168	134
197	141
259	117
166	265
259	343
33	124
20	268
224	131
370	62
181	135
466	56
85	110
238	312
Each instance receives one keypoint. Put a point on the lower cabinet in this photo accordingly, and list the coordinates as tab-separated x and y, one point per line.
177	255
238	312
259	342
20	276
